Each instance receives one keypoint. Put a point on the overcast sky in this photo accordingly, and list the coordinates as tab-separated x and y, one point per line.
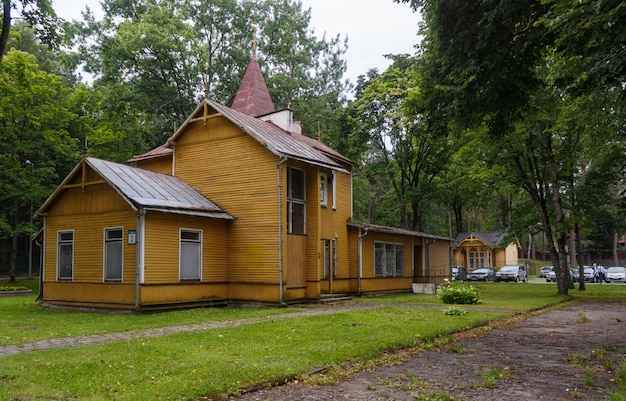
373	27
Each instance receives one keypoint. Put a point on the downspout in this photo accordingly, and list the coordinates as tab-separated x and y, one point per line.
360	250
280	232
138	254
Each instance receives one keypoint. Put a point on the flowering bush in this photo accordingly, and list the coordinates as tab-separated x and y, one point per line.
12	288
458	293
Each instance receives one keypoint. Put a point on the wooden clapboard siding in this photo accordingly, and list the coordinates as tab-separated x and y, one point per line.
314	251
380	285
254	292
162	245
181	292
209	158
439	260
98	198
89	244
90	294
341	216
161	165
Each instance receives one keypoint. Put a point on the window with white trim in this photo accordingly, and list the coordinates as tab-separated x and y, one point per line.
334	186
323	189
190	254
388	259
65	255
296	202
478	259
330	254
113	253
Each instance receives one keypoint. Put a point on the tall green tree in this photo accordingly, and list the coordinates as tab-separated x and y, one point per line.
37	13
34	144
158	58
496	64
394	113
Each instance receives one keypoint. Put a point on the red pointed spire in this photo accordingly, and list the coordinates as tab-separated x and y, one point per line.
252	97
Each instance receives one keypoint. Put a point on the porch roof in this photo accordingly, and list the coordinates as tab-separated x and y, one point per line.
395	230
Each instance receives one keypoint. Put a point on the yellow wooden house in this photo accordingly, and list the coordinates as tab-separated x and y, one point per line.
236	207
474	250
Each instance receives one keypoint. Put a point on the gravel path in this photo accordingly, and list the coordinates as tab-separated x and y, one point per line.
562	354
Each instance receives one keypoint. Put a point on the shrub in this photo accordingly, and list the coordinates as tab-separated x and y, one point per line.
458	293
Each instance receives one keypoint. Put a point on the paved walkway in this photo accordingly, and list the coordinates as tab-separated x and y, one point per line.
80	341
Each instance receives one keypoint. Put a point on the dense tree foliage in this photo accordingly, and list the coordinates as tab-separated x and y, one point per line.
517	69
34	144
154	60
37	13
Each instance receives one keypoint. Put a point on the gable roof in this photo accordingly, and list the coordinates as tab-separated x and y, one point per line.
252	97
278	141
146	189
153	154
489	238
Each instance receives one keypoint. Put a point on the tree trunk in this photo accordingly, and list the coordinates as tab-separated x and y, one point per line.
573	240
13	257
581	268
6	26
615	256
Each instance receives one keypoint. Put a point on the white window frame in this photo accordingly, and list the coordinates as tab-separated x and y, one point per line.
334	186
330	253
323	189
478	259
183	243
294	202
388	259
108	241
61	243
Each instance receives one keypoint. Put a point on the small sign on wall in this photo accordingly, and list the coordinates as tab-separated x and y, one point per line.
132	237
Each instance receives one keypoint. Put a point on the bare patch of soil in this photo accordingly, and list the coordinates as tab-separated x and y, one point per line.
562	354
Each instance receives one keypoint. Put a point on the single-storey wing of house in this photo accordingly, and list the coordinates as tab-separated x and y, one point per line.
484	249
236	207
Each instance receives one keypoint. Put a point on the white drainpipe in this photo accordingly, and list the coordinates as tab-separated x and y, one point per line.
361	235
280	231
138	254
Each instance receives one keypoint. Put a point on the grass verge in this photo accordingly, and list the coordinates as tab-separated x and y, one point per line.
184	366
220	361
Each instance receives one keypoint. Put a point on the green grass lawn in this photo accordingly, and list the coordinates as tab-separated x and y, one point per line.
184	366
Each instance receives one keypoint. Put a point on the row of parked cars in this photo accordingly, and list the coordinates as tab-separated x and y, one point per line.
513	273
615	274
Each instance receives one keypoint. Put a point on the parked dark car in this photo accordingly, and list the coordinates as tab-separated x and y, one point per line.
482	274
544	269
459	273
575	272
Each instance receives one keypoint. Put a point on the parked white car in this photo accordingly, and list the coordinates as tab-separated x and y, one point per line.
511	273
615	274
